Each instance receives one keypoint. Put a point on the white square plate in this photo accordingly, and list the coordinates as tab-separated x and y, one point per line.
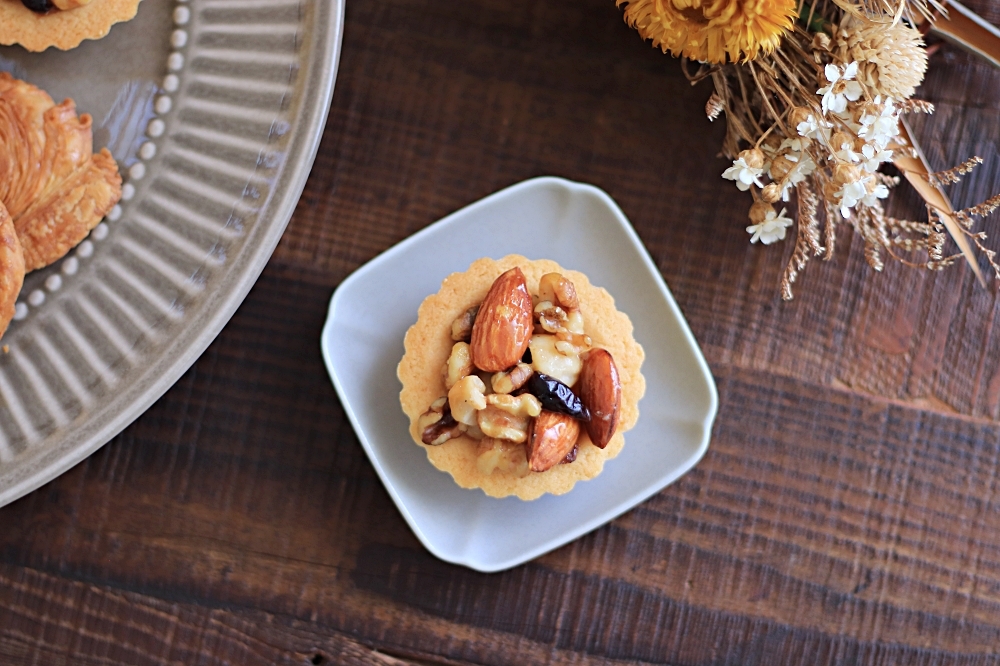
581	228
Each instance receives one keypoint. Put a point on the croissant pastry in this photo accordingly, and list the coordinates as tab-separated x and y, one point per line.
53	185
39	24
11	269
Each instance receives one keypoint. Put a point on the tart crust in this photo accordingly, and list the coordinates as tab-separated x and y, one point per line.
61	29
428	344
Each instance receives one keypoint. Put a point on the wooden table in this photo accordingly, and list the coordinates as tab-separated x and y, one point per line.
847	511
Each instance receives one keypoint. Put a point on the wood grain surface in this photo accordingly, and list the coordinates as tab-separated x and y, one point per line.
847	510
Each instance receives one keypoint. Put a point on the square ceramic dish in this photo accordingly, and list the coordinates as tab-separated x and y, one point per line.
581	228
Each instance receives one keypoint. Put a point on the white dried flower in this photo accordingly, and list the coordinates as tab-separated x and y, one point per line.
866	191
882	125
873	156
797	144
804	166
746	170
771	226
849	196
841	89
814	128
875	191
842	148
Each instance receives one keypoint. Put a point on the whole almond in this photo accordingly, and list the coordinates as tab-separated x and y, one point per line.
503	325
600	389
551	438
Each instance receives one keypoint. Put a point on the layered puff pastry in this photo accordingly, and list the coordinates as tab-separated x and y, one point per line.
63	28
55	188
11	269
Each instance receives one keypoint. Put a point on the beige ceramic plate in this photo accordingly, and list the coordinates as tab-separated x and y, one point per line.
214	110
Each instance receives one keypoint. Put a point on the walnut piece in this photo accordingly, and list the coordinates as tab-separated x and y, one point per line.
555	358
555	288
461	328
521	405
459	364
495	422
511	380
496	454
437	425
466	398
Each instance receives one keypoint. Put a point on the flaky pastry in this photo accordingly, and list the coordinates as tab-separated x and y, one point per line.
53	185
11	269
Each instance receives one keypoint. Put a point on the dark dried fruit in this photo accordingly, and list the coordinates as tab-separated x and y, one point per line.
571	456
442	430
555	396
39	6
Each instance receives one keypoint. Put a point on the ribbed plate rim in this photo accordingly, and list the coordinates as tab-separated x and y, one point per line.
174	359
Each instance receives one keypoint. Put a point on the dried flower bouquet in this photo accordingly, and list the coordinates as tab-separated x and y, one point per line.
814	93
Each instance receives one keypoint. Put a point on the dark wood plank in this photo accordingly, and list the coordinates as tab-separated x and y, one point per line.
821	522
846	512
52	620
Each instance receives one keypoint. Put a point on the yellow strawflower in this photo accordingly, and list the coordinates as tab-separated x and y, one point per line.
711	30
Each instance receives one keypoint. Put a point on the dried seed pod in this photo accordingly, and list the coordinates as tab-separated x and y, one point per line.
759	211
799	115
753	158
781	166
841	140
555	396
771	193
846	173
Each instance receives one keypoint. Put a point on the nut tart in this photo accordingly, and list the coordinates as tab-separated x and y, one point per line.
54	186
520	377
38	24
